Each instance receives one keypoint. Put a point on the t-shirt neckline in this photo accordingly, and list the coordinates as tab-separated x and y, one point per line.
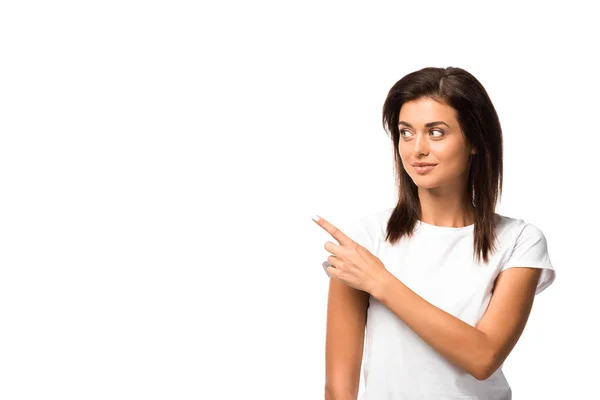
430	227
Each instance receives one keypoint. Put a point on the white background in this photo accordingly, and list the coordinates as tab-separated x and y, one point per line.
160	162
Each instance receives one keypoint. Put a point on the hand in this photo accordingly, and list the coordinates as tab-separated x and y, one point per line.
351	263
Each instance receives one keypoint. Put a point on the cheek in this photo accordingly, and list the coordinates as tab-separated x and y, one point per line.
454	161
447	152
402	153
405	159
405	149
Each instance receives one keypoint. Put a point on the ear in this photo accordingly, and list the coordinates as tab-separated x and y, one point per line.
473	150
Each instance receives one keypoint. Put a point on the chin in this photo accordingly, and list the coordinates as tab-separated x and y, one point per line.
421	184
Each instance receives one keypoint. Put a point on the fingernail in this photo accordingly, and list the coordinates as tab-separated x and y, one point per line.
316	218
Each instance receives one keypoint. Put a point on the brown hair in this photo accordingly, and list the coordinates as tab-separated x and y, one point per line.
479	122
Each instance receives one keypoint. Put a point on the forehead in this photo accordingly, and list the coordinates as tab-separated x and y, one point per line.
424	110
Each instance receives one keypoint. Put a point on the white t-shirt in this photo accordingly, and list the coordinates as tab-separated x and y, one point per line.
438	264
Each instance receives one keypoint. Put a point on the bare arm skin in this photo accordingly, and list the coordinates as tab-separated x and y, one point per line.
346	321
478	350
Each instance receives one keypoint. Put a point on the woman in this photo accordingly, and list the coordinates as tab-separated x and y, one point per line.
442	283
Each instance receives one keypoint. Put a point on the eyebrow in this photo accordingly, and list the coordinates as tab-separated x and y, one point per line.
427	125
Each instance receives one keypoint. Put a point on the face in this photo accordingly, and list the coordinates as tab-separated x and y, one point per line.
442	144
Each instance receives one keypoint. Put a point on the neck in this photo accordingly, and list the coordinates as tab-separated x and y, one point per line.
448	210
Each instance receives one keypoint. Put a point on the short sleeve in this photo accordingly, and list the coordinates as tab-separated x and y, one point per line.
531	250
357	230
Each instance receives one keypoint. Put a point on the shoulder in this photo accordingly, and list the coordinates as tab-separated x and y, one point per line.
512	229
374	222
527	247
504	222
367	229
517	228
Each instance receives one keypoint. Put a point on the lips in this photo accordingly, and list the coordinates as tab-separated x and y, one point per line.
423	169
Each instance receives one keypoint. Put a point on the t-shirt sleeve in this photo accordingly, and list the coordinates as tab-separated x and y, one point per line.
531	250
357	230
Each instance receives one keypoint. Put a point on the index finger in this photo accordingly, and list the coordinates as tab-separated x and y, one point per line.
332	230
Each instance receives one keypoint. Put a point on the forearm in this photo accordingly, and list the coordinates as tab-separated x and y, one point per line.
460	343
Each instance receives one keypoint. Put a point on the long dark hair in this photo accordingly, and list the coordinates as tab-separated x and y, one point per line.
479	122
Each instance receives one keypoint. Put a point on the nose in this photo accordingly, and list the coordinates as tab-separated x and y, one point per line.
421	144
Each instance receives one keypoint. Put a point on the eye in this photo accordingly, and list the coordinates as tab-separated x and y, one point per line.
433	130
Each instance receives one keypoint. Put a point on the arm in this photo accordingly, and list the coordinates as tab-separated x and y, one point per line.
505	318
478	350
346	321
